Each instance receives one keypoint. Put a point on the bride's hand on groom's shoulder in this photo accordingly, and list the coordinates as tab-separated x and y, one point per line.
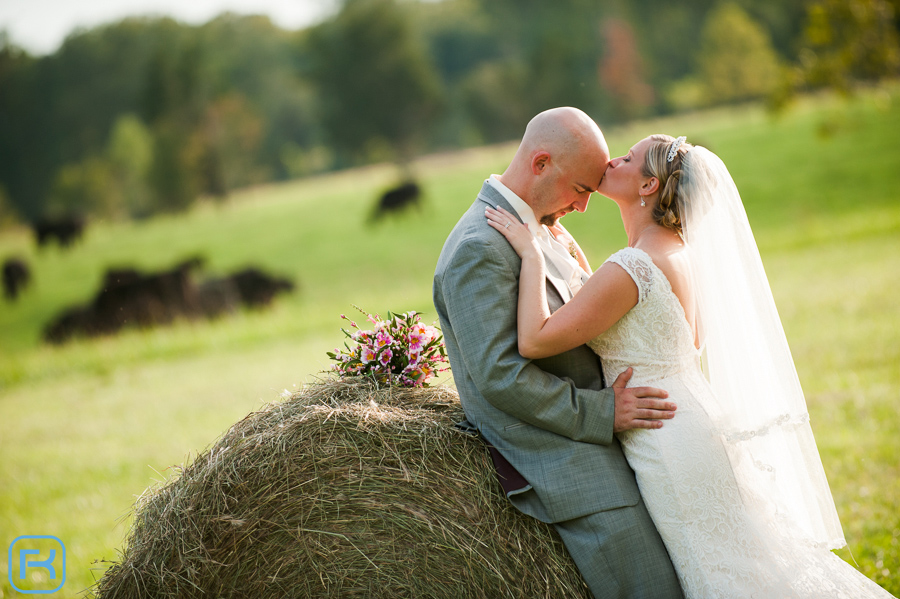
517	233
639	407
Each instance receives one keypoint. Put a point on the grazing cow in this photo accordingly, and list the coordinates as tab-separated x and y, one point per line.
218	296
396	200
16	277
65	229
128	297
74	320
257	288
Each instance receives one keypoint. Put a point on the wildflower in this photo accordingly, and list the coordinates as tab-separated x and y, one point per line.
399	350
368	354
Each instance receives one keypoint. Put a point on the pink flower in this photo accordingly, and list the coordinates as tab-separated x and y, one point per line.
382	340
400	335
416	342
386	356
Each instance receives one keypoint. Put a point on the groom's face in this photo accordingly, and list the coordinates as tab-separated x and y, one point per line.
567	187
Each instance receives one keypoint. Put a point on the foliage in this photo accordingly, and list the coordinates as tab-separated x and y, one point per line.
622	71
88	186
736	60
198	91
382	92
400	350
130	154
494	95
238	101
554	48
174	173
844	41
850	39
8	216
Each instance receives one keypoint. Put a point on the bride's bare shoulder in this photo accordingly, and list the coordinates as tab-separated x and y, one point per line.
670	255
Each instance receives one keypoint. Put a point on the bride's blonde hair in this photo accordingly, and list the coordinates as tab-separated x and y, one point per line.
666	211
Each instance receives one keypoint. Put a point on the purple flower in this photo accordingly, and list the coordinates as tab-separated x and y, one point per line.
386	356
400	336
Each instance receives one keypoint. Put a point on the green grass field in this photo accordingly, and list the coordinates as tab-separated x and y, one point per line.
87	427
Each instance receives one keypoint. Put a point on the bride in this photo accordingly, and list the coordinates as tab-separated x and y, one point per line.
734	482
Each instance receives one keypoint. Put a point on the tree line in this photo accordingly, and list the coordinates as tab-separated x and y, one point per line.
147	114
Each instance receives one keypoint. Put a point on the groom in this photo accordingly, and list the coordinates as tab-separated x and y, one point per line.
550	422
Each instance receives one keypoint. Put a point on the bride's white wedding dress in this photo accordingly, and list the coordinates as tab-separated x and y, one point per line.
725	538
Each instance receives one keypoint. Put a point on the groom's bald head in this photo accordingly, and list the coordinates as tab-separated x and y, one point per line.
566	133
560	161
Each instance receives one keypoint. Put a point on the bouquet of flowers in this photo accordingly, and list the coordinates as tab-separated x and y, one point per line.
399	350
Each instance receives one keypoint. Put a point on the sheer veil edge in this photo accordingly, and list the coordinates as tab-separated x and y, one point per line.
747	359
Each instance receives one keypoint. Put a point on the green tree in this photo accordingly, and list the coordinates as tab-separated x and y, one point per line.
379	91
8	214
849	40
24	140
557	47
844	42
497	99
88	187
230	136
130	154
174	175
736	60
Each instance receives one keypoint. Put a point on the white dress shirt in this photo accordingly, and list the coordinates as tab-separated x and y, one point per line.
571	271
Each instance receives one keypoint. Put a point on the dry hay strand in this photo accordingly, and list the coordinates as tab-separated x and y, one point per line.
344	490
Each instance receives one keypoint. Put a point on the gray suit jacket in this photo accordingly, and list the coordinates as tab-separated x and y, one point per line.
550	418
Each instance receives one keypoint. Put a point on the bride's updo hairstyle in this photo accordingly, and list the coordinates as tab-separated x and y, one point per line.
666	212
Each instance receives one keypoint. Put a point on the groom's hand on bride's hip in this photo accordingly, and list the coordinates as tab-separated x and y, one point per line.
639	407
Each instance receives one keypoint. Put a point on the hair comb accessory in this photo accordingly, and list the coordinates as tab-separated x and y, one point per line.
674	148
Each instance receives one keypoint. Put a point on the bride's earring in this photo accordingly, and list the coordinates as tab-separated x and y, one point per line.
643	203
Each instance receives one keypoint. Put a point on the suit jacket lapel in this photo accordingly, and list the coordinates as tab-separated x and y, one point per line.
494	198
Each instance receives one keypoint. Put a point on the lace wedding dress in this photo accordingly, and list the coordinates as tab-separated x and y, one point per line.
725	538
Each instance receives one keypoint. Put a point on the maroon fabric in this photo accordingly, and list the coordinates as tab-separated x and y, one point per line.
509	477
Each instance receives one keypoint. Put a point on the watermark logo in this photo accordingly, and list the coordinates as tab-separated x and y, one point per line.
37	564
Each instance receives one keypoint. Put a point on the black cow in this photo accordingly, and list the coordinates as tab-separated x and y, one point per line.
257	289
218	296
128	297
65	229
16	277
396	200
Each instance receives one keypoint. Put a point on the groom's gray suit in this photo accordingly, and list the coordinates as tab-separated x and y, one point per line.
550	418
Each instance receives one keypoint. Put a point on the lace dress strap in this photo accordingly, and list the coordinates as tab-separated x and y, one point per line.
638	266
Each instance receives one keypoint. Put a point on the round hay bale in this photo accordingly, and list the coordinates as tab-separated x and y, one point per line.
344	490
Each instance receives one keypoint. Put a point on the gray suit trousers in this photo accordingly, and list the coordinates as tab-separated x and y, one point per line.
605	548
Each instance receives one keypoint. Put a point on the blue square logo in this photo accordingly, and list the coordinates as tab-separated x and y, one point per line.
37	564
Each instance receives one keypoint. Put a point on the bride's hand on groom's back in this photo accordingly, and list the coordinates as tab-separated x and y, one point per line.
639	407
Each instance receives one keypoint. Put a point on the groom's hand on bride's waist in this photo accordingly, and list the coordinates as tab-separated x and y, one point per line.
639	407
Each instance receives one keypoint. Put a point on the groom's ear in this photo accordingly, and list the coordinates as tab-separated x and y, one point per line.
539	162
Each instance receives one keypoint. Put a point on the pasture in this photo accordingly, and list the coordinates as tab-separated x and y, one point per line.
86	427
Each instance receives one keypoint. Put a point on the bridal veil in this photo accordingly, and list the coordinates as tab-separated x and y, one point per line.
747	358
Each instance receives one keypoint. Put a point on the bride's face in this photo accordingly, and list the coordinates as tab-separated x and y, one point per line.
623	178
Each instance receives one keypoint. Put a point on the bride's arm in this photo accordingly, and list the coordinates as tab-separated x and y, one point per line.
607	296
